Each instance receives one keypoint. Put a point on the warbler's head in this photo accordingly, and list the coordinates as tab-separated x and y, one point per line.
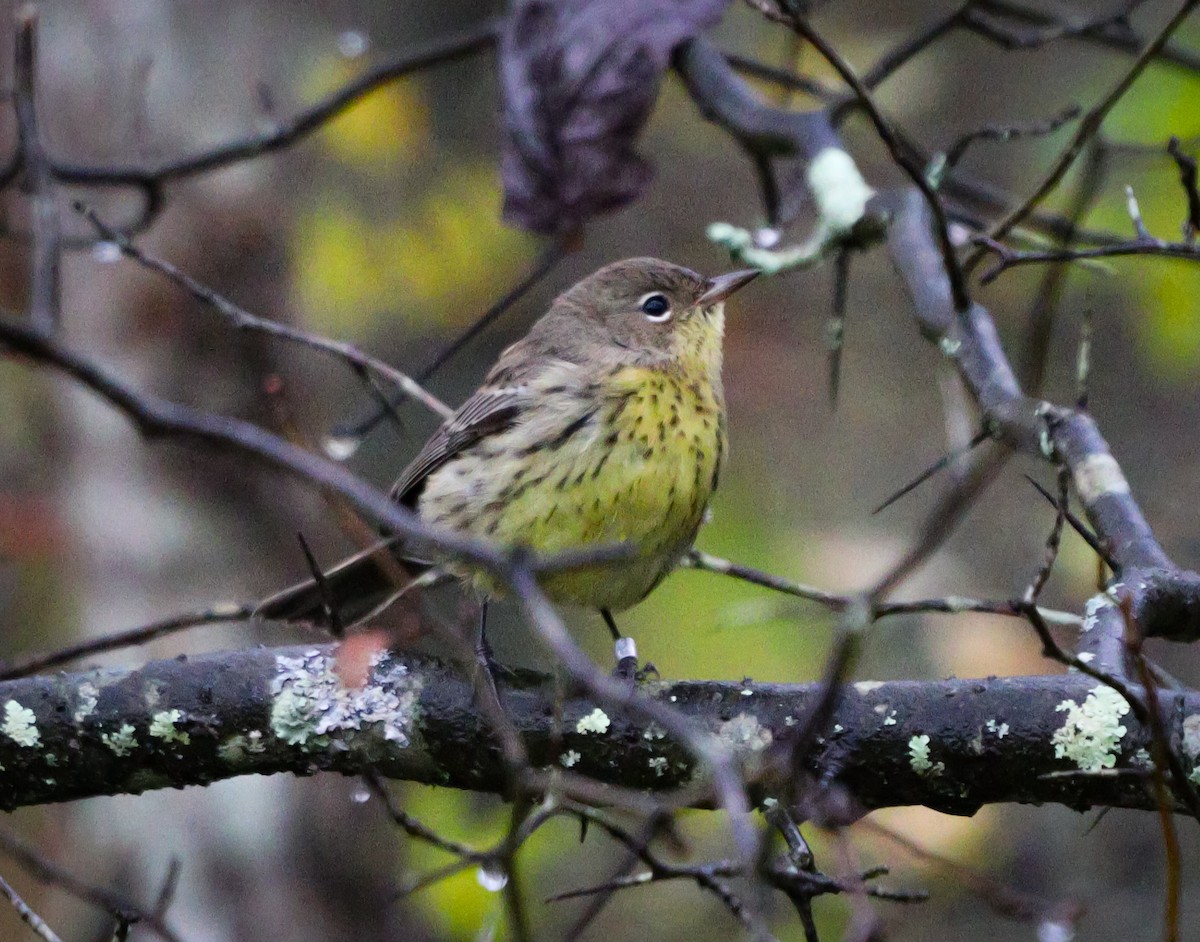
647	308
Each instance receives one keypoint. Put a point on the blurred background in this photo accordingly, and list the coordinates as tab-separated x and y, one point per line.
383	229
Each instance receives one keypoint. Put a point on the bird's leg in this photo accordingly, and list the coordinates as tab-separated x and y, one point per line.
626	649
484	661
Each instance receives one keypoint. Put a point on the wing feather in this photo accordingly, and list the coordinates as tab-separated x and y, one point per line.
489	411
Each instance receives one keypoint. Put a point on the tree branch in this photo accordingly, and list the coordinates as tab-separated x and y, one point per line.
952	745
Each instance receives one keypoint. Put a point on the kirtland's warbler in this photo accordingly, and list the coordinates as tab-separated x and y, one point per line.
605	424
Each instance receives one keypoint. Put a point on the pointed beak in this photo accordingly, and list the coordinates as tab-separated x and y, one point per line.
721	287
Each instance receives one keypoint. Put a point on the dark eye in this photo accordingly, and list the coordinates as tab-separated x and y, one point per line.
656	307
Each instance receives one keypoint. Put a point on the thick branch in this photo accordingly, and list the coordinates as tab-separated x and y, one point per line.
952	745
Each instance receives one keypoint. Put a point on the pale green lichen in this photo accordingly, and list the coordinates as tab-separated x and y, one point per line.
659	765
310	702
653	732
1000	729
745	733
20	725
122	742
569	758
890	719
595	722
1091	735
235	749
163	725
918	757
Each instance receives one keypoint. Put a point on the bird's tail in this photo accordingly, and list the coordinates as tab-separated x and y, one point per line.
355	589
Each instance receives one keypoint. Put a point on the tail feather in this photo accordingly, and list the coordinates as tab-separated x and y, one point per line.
354	589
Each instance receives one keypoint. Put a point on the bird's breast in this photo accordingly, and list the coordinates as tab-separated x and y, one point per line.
630	456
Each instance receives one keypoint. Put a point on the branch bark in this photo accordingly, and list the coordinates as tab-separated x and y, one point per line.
953	745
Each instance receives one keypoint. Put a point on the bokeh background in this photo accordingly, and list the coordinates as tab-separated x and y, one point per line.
384	229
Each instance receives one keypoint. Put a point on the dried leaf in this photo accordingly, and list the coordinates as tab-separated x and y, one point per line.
578	79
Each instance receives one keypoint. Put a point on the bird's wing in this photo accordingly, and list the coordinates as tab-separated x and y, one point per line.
510	387
485	413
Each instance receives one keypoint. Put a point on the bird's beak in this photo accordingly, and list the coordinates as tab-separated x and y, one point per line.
721	287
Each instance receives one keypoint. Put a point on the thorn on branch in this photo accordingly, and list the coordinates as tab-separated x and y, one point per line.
1187	179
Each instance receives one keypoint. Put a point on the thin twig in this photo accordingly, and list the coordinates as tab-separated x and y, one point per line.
545	263
242	319
45	282
216	615
1088	126
44	871
26	913
954	271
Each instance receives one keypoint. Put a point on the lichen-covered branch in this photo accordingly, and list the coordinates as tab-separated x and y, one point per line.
1164	600
952	745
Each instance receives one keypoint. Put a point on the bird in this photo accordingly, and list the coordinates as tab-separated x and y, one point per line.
605	424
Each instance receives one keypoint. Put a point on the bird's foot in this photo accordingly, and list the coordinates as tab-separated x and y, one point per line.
647	672
627	660
489	669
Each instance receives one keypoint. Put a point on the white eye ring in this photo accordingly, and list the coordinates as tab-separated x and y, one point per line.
656	316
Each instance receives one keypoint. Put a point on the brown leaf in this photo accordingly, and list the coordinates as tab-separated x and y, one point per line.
578	79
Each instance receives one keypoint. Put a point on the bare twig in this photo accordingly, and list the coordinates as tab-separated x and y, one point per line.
243	320
35	922
215	615
151	180
44	871
1088	126
954	271
1007	258
45	287
542	267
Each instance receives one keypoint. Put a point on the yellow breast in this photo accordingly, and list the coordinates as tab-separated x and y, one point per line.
631	457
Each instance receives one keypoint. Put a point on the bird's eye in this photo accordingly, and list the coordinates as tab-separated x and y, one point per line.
656	307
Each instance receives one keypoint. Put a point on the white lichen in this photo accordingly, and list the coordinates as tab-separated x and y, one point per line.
311	703
164	726
866	686
659	765
1191	736
653	732
918	756
1000	729
569	758
86	698
1092	609
745	733
1091	735
890	719
20	725
1099	476
595	722
122	742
